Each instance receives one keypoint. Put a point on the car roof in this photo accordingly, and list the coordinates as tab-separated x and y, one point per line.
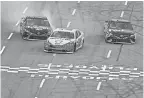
64	30
32	17
120	20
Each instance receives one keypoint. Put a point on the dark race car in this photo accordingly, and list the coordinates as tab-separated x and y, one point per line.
34	28
119	31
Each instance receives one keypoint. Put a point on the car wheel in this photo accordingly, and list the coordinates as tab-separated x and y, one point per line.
108	40
74	48
83	43
24	35
132	41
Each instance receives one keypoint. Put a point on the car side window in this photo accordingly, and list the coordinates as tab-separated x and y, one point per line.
78	34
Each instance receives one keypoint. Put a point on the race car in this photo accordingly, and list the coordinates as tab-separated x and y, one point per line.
35	27
119	31
64	41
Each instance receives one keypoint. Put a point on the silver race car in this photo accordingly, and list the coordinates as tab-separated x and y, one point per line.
119	31
64	41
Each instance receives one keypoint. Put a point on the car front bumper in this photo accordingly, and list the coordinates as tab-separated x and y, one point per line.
65	49
127	40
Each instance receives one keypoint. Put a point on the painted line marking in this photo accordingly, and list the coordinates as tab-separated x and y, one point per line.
126	2
25	10
2	49
78	2
109	53
23	70
68	24
125	71
13	68
73	11
12	71
99	84
17	23
54	54
122	13
4	67
42	65
24	67
32	75
49	66
42	82
32	72
10	35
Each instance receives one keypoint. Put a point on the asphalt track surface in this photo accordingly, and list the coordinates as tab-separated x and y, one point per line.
88	17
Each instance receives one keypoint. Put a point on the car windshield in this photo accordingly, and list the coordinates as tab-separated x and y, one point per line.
121	25
37	21
61	34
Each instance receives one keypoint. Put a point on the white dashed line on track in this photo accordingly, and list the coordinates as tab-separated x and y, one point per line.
32	75
24	67
109	53
49	66
2	49
10	35
68	24
122	13
54	54
25	10
99	84
42	65
42	82
126	2
73	11
17	23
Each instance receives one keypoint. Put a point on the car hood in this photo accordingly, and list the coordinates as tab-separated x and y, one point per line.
59	41
122	31
38	29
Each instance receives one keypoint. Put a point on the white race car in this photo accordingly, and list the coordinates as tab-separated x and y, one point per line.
64	41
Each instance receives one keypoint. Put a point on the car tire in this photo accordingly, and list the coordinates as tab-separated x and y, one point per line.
23	36
83	43
132	42
74	48
106	41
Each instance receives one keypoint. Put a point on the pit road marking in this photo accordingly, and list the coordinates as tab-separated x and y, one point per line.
25	10
17	23
68	24
99	84
109	53
126	2
73	11
42	82
10	35
2	50
122	13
